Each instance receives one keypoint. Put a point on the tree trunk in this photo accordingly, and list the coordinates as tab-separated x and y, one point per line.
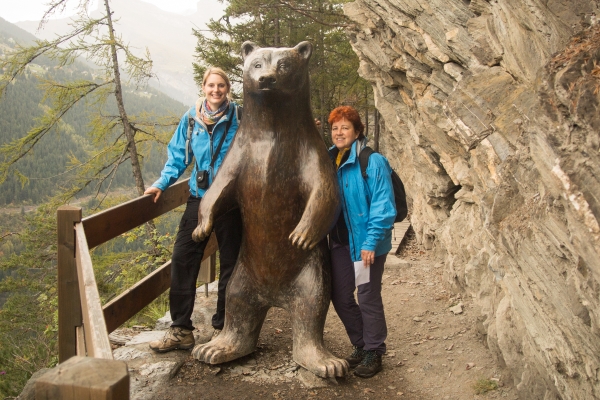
129	134
277	38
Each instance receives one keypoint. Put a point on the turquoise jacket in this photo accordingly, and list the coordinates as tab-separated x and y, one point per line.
368	204
200	150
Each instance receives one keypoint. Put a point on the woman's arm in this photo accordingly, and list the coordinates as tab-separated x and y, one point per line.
176	150
382	210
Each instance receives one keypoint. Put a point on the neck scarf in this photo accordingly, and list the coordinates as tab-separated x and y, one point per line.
212	117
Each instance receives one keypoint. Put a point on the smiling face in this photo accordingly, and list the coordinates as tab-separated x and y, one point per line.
343	134
215	89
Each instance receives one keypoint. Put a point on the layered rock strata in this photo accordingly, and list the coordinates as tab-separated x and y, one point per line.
491	118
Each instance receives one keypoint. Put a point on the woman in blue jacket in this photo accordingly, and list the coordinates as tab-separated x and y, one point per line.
202	137
363	232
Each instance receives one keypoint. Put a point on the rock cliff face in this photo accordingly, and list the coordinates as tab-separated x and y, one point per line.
491	118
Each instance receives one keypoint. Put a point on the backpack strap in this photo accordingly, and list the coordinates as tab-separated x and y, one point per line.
188	140
216	153
363	159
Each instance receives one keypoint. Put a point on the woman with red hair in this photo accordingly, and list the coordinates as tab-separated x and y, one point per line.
361	238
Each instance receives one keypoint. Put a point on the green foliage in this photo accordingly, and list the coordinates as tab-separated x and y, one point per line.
484	385
28	318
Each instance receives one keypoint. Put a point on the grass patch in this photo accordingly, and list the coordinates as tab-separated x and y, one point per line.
484	385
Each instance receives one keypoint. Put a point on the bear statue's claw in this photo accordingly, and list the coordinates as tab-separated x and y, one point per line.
302	241
220	350
330	367
201	232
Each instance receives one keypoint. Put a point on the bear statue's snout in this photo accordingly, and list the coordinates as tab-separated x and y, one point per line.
267	82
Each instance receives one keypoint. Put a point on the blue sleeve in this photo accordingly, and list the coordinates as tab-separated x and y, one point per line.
176	149
382	208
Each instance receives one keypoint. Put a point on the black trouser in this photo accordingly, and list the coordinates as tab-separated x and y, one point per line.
185	263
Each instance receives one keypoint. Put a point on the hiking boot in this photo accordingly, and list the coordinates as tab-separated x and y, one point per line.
370	364
356	357
175	338
216	333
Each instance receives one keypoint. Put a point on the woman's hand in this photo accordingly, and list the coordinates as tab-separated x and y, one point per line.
154	191
368	257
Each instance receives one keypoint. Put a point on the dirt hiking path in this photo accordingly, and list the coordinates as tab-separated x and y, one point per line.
434	351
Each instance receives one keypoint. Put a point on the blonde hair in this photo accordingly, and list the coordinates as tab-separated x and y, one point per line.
222	74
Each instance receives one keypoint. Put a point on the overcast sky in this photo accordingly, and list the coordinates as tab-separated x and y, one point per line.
33	10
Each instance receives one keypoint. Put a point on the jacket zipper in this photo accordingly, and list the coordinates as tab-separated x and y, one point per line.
350	234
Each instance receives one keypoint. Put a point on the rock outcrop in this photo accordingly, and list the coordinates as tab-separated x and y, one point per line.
491	119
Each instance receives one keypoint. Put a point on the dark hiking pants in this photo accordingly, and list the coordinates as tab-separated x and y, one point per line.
365	321
187	255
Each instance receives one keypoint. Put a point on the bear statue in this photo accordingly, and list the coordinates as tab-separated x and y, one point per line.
278	172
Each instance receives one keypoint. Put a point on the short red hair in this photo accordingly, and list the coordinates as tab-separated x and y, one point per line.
351	115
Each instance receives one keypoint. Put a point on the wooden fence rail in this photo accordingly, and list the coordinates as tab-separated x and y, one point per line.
83	324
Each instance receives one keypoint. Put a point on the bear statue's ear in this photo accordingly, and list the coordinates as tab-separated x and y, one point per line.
305	49
247	48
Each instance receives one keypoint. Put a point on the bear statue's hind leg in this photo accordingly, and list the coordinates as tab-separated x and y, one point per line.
244	316
308	310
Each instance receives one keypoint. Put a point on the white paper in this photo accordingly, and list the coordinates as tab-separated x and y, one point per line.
361	274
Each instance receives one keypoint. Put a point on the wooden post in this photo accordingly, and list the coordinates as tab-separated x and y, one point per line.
84	378
69	304
208	266
208	271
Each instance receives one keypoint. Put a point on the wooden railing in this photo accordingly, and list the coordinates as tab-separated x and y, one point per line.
83	323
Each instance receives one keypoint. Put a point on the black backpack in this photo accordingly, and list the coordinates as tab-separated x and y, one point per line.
399	193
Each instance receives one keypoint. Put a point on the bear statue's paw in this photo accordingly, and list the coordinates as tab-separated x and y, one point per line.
303	238
220	350
202	231
326	366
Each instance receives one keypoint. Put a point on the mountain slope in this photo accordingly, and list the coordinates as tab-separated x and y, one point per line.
45	166
167	35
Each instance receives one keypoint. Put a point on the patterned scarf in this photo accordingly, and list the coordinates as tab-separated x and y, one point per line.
212	117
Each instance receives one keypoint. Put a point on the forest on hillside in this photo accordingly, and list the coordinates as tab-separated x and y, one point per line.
47	166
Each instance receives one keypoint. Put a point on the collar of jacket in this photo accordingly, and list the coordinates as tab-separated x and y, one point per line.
355	150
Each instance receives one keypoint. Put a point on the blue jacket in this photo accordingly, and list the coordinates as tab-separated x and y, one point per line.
200	150
368	204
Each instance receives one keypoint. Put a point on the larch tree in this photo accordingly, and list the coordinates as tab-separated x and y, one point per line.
117	137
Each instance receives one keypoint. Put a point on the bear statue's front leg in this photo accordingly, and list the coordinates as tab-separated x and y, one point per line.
320	211
244	316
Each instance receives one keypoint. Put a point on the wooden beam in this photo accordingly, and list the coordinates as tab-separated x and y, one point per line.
96	336
111	223
134	299
69	308
84	378
80	341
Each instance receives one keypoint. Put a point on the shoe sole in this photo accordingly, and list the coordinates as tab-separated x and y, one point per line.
368	375
186	347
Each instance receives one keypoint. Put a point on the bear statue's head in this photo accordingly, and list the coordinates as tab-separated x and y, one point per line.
275	71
